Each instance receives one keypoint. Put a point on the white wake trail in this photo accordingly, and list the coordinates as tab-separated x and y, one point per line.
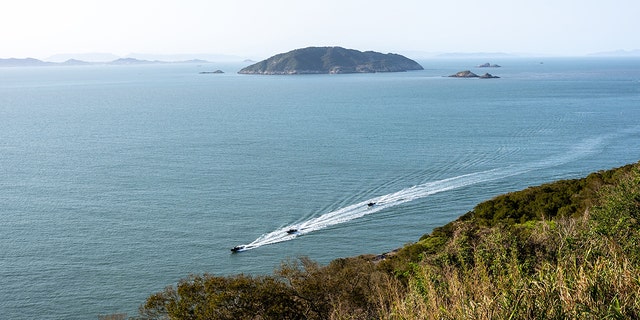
379	203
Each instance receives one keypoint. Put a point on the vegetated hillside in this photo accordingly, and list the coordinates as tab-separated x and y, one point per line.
566	250
316	60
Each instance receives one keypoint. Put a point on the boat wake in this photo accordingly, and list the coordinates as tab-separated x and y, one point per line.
379	203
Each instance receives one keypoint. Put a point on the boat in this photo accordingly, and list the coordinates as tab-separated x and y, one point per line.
237	248
292	231
371	204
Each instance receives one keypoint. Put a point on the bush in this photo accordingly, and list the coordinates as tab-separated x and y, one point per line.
237	297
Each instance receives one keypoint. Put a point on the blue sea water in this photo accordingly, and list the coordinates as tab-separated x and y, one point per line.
116	181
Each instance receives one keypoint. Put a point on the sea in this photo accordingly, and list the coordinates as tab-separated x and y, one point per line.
118	181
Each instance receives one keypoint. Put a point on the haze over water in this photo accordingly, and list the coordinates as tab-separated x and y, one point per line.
120	180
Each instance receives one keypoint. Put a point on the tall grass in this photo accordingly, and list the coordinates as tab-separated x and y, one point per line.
571	268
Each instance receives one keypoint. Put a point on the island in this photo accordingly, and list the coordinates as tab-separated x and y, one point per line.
464	74
469	74
488	65
331	60
488	76
212	72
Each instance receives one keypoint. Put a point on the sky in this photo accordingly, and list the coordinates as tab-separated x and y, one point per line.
259	29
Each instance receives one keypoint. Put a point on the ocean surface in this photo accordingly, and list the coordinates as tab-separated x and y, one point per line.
116	181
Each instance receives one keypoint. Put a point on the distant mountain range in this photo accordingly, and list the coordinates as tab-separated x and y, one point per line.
106	57
138	59
31	62
88	57
13	62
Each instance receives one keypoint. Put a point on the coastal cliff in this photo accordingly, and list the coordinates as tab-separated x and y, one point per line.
331	60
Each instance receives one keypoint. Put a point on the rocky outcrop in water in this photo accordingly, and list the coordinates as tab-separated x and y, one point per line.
488	76
464	74
488	65
469	74
212	72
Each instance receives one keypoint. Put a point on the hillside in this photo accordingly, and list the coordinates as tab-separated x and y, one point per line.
318	60
563	250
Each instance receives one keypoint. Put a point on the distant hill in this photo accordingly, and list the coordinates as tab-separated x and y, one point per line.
128	61
319	60
204	57
74	62
27	62
108	57
88	57
31	62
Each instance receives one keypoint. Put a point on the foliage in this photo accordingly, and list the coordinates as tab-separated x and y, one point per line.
346	286
563	198
211	297
301	289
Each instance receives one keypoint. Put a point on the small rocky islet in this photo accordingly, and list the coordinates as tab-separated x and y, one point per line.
212	72
469	74
488	65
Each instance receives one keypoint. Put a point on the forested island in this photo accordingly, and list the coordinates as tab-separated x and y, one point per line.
562	250
332	60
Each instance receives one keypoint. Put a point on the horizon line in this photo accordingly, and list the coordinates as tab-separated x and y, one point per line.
420	54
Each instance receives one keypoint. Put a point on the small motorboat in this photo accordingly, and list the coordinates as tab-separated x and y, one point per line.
237	248
371	204
292	231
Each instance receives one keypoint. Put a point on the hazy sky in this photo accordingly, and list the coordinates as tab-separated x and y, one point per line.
252	28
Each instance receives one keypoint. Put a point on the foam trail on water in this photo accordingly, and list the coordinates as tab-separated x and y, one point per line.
363	208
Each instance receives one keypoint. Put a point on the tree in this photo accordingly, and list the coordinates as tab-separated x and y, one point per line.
235	297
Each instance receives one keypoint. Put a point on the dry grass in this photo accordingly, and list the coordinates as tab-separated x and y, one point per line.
583	269
606	287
